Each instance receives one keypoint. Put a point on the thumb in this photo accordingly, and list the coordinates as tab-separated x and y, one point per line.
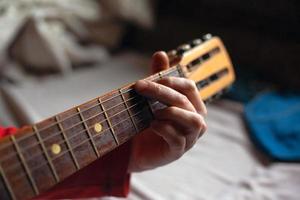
160	61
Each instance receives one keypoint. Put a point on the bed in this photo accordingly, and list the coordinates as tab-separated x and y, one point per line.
224	164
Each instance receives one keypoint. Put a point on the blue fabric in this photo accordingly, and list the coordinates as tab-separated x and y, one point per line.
274	122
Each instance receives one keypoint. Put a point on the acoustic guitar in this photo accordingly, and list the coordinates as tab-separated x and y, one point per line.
42	155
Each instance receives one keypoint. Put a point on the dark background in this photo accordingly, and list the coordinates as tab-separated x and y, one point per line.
262	37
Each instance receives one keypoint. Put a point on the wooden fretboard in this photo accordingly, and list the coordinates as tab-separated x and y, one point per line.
44	154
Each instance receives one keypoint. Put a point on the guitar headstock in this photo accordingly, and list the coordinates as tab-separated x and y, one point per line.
206	62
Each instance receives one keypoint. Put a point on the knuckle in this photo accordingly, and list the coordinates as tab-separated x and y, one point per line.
198	122
183	100
178	154
179	142
171	110
204	110
190	144
179	150
191	86
176	138
204	128
157	88
168	80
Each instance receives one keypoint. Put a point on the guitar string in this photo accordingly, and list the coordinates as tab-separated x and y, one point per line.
153	78
89	138
11	168
170	70
74	125
97	135
64	119
67	150
89	127
84	141
72	136
107	110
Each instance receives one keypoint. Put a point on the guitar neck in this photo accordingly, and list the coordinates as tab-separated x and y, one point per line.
61	145
38	157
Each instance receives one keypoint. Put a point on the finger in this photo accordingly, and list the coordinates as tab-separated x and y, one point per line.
160	61
188	88
163	94
192	123
171	135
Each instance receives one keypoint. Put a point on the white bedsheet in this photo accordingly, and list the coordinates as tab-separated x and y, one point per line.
223	165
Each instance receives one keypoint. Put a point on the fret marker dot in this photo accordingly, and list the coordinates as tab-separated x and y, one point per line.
56	149
98	127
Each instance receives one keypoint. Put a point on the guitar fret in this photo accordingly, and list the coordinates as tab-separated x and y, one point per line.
46	153
129	113
160	75
12	195
180	71
89	133
25	165
68	143
109	122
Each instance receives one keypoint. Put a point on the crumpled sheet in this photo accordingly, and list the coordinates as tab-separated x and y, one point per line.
34	33
47	35
224	165
277	182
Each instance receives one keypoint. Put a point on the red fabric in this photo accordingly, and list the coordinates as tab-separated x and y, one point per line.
6	131
105	177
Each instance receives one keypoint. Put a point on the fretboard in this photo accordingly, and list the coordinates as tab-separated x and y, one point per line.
40	156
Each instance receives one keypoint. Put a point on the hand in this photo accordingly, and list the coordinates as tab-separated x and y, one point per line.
175	128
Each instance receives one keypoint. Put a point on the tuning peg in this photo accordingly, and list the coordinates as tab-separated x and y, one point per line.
196	42
183	48
207	37
172	53
203	83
